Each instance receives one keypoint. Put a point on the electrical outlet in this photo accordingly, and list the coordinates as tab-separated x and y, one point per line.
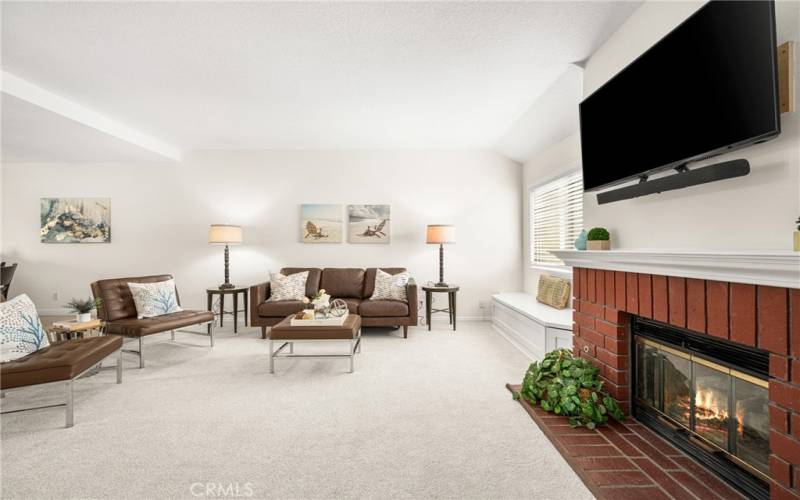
482	304
55	296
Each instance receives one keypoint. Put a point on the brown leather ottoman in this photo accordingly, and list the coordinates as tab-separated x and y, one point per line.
284	332
60	362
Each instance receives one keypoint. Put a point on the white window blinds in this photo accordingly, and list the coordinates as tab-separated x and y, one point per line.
556	217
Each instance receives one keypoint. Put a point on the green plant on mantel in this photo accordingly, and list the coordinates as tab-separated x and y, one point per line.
569	386
598	234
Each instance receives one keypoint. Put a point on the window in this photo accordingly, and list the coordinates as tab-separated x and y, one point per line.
556	217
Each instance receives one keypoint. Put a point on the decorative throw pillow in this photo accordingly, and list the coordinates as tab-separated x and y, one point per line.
21	331
292	287
154	299
391	286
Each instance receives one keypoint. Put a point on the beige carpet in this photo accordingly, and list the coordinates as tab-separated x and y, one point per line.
427	417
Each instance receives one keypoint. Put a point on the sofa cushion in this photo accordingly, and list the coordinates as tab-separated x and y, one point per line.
21	331
391	286
291	287
59	361
133	327
382	308
343	282
280	309
352	304
312	283
369	278
154	299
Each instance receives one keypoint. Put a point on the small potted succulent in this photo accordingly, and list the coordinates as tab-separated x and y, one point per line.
797	236
598	239
82	308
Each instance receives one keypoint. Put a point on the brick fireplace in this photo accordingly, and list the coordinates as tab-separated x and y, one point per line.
763	317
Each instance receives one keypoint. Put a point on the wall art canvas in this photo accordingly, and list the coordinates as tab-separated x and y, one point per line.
76	220
321	223
369	223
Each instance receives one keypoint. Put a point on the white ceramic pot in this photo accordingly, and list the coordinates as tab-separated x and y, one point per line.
84	317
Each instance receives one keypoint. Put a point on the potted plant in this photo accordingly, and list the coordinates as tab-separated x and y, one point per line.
598	239
82	308
797	236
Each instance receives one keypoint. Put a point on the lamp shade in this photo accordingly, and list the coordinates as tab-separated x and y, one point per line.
224	233
441	233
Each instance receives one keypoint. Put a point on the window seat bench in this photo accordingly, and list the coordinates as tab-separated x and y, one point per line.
534	328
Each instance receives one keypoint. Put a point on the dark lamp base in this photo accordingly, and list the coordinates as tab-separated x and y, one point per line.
443	285
226	286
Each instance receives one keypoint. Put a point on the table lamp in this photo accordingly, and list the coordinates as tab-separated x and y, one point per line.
441	234
228	235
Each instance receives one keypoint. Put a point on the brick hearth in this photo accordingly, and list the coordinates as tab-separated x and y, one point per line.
764	317
628	461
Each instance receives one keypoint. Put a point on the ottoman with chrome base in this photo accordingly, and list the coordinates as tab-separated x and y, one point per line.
286	335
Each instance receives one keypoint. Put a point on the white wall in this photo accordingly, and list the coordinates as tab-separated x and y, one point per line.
751	212
160	214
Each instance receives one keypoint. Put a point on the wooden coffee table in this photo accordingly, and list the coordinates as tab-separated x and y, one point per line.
286	335
61	330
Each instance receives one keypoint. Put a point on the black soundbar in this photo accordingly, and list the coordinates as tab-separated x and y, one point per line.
684	178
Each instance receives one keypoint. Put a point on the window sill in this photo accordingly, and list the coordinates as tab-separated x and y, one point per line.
562	271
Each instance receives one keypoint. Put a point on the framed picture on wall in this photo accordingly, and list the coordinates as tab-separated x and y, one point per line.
75	220
369	223
320	223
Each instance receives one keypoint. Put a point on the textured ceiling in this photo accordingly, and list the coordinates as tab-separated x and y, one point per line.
305	75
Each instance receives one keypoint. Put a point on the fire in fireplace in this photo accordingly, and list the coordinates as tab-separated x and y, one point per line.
709	397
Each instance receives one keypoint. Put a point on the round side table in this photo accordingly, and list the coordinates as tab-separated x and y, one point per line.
222	292
451	292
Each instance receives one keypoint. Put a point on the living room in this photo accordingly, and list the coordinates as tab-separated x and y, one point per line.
350	209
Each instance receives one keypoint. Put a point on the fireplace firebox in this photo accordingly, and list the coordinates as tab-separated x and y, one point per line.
706	396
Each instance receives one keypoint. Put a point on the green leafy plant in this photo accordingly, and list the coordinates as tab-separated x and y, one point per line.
569	386
798	223
82	306
598	234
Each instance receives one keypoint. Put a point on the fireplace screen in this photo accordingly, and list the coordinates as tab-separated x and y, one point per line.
724	410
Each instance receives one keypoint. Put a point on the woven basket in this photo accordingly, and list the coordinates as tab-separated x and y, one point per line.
553	291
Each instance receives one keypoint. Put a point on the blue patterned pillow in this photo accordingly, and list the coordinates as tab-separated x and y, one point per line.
21	331
154	299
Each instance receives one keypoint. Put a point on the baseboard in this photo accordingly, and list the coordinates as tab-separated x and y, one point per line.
465	319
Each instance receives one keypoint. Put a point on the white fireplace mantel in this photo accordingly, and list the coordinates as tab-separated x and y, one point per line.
757	267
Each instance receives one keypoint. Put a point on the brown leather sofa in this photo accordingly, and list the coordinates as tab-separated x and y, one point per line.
60	362
353	285
118	310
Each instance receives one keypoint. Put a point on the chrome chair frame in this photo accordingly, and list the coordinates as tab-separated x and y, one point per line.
70	400
140	352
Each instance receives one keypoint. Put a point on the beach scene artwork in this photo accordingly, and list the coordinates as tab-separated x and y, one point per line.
75	220
369	223
321	223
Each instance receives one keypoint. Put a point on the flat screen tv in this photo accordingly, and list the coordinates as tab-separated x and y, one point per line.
708	87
